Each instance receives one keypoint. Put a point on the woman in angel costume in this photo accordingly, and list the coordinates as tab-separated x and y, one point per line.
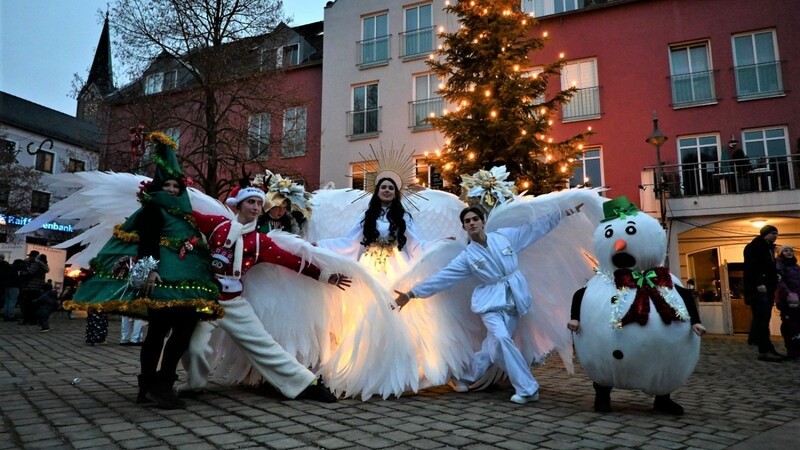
156	266
434	341
635	326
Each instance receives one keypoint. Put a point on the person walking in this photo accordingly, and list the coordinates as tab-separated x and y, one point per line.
760	281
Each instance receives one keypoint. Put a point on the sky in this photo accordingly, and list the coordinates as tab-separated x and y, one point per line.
44	43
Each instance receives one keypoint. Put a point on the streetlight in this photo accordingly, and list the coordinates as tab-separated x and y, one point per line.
657	139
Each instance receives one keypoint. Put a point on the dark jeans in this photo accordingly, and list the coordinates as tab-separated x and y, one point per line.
160	321
43	308
26	298
761	306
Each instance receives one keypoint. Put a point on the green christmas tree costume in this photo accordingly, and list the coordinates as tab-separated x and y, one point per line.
184	262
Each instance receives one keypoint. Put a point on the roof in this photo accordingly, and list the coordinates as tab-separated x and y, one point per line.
42	120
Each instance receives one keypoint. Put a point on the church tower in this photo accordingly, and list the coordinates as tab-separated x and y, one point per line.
100	82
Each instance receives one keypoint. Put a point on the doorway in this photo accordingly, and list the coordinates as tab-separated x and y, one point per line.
741	316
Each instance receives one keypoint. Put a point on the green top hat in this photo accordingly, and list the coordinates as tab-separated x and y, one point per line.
618	208
167	167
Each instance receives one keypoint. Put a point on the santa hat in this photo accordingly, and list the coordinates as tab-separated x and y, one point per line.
240	194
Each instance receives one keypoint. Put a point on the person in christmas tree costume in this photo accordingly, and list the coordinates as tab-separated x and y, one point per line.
156	266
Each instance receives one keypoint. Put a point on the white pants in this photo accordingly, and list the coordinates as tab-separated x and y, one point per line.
131	330
275	365
499	348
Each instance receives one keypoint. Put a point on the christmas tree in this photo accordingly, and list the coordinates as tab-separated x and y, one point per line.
498	111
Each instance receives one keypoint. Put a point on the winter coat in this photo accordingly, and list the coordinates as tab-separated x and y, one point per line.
790	280
759	266
18	267
33	278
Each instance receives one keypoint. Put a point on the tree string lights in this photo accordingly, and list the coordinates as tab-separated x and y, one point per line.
498	112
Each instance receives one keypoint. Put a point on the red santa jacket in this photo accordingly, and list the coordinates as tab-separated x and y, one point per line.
257	248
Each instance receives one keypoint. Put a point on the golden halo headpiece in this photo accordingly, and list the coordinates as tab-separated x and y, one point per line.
394	164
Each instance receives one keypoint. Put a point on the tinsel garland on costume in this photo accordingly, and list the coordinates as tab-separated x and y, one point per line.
204	285
654	281
185	244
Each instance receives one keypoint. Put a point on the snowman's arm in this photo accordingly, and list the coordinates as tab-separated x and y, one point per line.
691	306
577	300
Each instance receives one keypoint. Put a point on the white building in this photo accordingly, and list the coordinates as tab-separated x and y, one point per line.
49	141
376	88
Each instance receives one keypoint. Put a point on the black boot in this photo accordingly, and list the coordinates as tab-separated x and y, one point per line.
602	398
318	392
145	383
665	404
162	393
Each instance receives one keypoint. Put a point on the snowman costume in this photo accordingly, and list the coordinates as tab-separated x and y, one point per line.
633	321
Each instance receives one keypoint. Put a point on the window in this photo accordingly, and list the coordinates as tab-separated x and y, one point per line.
8	151
539	8
364	119
374	46
539	99
418	37
268	59
358	173
289	55
159	82
258	137
589	173
174	133
767	150
691	75
76	165
427	175
757	67
698	156
5	196
426	102
45	161
585	104
294	132
40	201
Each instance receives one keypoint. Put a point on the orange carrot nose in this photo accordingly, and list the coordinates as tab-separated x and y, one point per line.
620	245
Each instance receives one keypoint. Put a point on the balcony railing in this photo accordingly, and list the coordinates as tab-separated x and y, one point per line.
585	104
363	123
420	110
735	176
416	43
373	52
691	89
759	80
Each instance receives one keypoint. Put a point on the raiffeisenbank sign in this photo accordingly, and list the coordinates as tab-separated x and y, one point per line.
20	221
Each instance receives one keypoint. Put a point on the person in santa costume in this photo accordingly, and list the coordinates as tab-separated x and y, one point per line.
236	247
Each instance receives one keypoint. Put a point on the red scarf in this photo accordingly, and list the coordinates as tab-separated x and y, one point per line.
646	284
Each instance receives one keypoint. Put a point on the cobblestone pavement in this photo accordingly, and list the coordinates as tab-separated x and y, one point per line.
732	400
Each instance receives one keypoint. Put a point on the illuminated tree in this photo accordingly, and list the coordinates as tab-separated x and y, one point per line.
499	110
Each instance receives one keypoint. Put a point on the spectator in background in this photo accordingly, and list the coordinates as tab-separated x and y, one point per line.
760	280
12	289
787	299
32	285
43	306
131	331
5	272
